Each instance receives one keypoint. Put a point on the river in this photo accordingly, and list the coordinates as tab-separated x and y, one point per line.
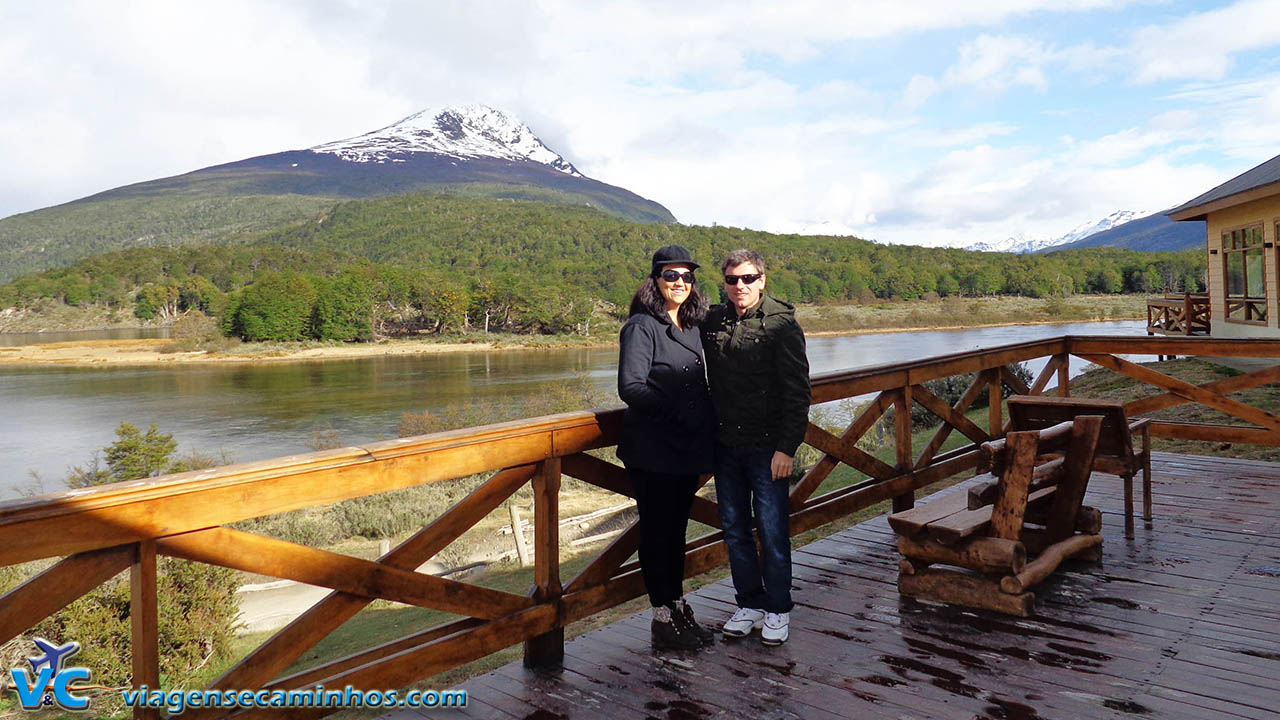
56	417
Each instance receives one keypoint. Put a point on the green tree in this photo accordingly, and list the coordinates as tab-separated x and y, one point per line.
1108	280
442	302
198	293
75	291
343	308
276	307
106	289
947	285
156	301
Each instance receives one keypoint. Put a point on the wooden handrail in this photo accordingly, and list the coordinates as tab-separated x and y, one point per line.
104	530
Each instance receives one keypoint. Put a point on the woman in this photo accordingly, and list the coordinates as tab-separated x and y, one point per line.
667	432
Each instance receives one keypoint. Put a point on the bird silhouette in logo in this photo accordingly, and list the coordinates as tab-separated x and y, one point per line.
53	656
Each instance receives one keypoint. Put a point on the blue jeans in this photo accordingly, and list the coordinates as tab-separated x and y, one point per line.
744	483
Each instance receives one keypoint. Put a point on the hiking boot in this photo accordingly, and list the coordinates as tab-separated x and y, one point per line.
684	613
776	628
743	622
670	633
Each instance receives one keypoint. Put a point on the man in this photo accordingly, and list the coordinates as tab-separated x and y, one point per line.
759	377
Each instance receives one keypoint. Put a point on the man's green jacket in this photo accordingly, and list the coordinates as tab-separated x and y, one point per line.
759	375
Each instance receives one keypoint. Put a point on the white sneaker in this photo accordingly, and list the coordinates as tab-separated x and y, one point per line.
776	628
743	622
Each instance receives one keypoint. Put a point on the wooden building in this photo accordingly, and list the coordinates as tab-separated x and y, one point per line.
1243	222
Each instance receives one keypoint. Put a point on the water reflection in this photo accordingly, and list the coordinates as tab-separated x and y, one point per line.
40	338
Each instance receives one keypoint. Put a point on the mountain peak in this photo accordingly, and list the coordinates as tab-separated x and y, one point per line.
1027	243
458	131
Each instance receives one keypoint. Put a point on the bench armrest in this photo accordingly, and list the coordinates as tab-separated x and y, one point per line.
1140	425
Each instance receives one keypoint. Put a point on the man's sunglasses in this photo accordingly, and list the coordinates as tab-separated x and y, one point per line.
672	276
748	278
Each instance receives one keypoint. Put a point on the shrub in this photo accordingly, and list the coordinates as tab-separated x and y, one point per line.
197	604
194	331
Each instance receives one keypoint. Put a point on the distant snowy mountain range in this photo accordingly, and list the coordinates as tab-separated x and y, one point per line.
1135	229
1026	243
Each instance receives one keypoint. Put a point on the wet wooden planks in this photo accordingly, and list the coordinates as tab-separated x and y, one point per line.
1179	622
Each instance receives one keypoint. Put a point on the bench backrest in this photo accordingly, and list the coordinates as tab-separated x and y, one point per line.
1034	412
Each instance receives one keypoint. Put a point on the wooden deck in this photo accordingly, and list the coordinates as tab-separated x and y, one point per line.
1181	622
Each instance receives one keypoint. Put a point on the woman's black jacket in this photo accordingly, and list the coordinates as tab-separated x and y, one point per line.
669	424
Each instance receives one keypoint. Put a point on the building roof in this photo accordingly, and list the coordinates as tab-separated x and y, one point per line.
1250	185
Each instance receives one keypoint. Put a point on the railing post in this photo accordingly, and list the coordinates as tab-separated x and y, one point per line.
995	393
546	649
1064	372
1186	314
144	618
906	500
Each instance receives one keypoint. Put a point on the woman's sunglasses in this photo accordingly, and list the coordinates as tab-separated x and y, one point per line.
672	276
748	278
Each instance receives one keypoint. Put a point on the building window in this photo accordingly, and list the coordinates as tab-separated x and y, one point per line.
1246	282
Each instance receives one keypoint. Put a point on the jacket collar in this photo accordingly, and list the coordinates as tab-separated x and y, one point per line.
684	338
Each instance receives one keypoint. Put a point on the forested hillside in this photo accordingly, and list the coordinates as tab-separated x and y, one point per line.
606	256
431	261
58	236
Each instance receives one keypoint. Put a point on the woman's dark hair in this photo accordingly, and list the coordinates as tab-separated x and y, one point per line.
648	299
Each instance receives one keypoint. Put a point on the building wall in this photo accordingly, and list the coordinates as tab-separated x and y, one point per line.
1267	212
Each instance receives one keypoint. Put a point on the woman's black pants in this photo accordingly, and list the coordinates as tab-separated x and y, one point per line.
663	501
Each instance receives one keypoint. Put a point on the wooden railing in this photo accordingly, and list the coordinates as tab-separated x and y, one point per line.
103	531
1178	314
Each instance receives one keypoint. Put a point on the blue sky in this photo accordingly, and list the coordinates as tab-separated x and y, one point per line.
899	120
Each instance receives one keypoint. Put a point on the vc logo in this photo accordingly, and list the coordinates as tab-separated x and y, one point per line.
49	682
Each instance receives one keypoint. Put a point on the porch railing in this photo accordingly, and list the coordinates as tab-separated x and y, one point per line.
1178	314
103	531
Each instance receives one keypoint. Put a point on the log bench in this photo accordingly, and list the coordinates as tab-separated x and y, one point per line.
1115	454
990	556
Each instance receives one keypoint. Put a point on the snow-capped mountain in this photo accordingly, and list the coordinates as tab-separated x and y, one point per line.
470	150
1027	243
1020	243
1118	217
462	132
474	146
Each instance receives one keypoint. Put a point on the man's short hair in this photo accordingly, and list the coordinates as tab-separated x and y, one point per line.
743	255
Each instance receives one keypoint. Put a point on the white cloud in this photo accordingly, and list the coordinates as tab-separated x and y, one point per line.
994	64
918	91
1203	46
692	105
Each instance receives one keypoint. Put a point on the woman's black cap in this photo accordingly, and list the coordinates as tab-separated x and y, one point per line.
672	255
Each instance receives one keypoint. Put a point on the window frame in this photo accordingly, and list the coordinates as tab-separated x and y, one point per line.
1252	308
